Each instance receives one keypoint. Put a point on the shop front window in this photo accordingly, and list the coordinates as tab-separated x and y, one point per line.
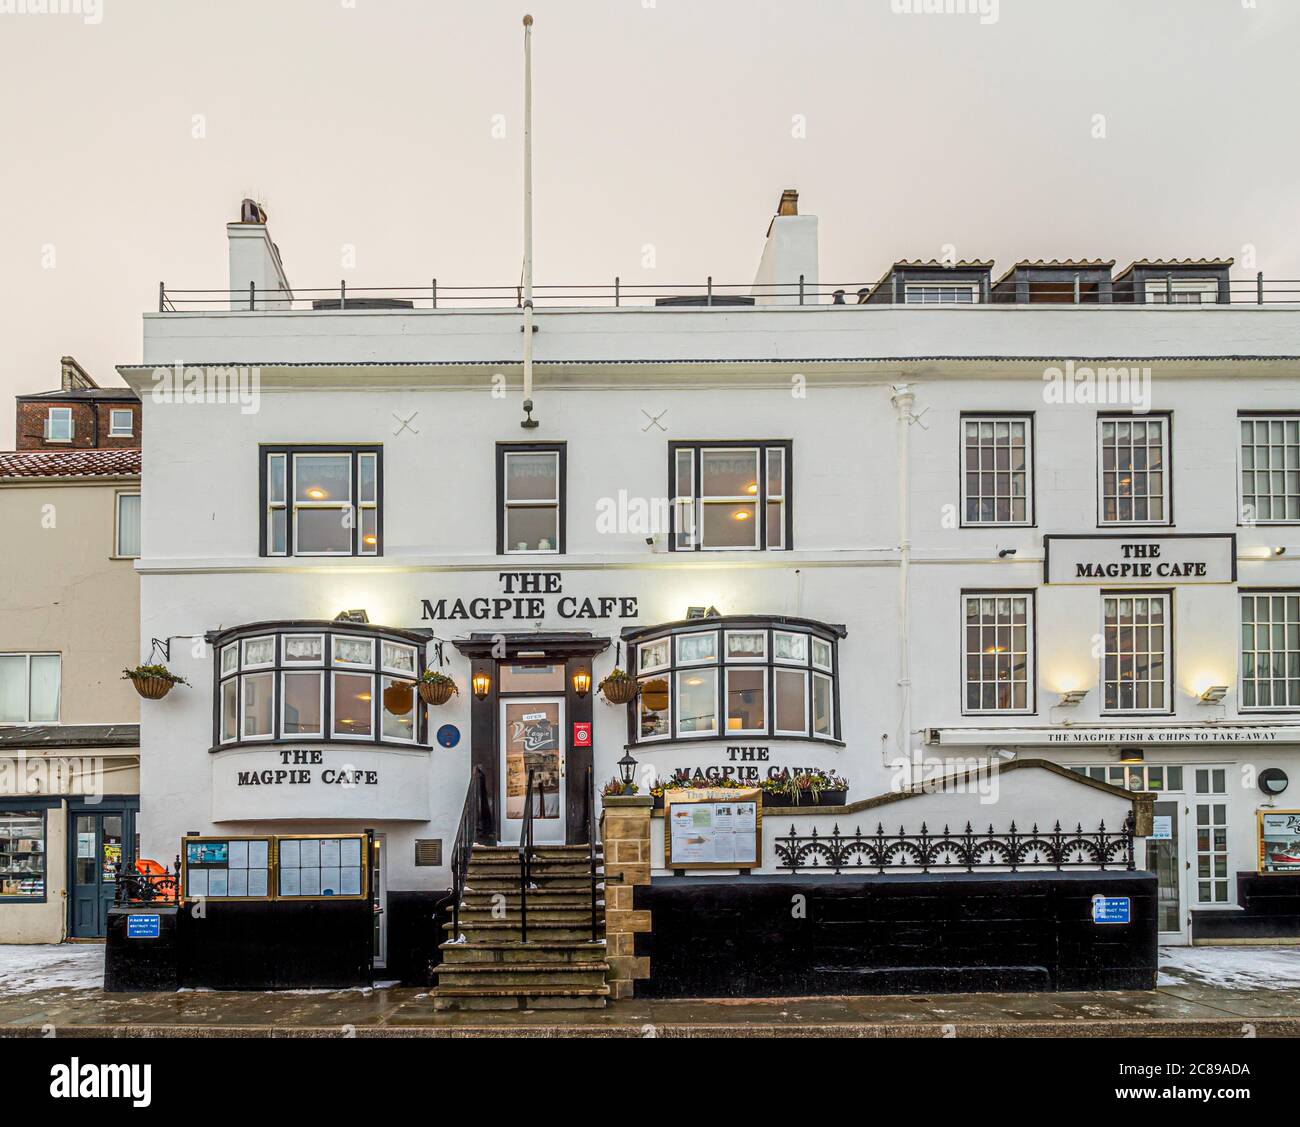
22	855
277	685
759	677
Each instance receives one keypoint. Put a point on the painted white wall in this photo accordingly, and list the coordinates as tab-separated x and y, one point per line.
789	253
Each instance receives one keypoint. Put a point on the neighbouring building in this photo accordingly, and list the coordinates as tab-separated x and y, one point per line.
1009	564
69	624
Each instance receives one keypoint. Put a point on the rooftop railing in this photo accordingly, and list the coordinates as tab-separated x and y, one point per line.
931	291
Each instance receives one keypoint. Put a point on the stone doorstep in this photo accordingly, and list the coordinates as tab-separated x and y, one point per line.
476	975
471	916
501	953
553	884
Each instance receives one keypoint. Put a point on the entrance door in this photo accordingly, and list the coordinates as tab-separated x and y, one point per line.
100	845
1165	858
532	739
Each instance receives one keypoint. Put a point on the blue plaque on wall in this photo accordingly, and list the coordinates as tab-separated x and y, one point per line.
448	735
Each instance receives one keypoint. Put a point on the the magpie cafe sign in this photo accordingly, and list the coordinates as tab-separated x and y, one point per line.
1139	560
302	768
529	596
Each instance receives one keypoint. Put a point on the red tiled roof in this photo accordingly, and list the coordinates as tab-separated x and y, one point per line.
70	463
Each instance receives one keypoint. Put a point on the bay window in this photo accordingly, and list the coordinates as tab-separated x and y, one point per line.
730	496
322	501
736	677
317	682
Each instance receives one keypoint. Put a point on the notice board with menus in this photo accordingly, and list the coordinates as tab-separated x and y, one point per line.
1279	841
289	867
713	829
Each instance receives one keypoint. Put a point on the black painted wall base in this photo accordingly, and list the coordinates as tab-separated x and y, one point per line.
783	936
141	966
415	922
1268	907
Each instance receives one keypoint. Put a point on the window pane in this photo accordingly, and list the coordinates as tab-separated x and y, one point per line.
775	473
730	526
776	524
45	688
747	644
532	477
696	648
60	424
322	477
791	705
13	688
323	531
791	647
821	654
685	484
230	710
398	657
353	698
369	532
128	525
302	704
259	689
22	854
279	523
275	479
730	473
823	708
304	648
653	655
229	658
532	529
531	678
120	424
354	651
259	651
367	479
746	700
398	702
697	708
652	708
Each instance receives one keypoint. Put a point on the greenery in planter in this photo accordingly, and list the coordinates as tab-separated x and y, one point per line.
144	672
810	785
619	687
436	687
616	789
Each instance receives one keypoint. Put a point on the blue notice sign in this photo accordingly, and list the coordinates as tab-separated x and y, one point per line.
1112	910
140	926
448	735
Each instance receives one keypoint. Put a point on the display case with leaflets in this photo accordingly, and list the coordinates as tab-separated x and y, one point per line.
286	867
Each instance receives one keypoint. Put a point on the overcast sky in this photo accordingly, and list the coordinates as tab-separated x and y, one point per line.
128	143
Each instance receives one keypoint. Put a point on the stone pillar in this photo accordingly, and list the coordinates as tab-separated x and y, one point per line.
625	834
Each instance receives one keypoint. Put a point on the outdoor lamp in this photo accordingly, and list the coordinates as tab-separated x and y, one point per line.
1214	694
1072	698
627	770
1273	781
482	685
582	682
1132	755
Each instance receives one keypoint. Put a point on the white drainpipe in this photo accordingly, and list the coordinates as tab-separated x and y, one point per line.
903	399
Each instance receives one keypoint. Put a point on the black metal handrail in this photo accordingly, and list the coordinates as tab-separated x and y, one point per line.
1158	286
591	849
525	858
472	821
1013	850
135	887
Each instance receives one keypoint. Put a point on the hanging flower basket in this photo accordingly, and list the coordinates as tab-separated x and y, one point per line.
153	682
619	688
436	688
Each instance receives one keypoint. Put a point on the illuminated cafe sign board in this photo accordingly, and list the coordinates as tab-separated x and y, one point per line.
527	596
1136	561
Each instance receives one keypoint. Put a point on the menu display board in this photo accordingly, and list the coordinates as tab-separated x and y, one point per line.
275	868
713	829
1279	841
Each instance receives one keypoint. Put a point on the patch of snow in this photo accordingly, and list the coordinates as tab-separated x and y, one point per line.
25	969
1230	968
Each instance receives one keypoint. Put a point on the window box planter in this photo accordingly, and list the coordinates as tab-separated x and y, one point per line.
152	682
805	798
437	689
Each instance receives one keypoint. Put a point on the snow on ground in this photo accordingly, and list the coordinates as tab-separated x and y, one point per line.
66	966
1231	968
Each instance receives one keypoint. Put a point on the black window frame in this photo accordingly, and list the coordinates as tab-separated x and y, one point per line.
1031	469
561	450
326	667
267	450
763	445
1031	595
1259	709
721	664
1167	419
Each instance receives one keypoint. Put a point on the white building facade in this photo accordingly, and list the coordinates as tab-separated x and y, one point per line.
880	540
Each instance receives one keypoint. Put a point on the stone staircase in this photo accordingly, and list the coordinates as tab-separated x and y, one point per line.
489	967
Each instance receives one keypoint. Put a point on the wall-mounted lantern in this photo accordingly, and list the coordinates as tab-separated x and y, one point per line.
582	682
482	684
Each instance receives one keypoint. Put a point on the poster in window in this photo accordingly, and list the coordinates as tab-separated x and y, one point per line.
532	732
1279	841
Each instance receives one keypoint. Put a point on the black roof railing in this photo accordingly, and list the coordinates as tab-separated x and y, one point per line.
1157	287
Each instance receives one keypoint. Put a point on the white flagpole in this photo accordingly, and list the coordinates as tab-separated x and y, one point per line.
529	422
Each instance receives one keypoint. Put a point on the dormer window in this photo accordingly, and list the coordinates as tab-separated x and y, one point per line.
58	424
941	293
121	423
1182	291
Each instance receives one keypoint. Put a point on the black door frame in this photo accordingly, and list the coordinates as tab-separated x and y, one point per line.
576	652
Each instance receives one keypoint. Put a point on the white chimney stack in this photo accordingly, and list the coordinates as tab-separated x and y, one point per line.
257	279
789	254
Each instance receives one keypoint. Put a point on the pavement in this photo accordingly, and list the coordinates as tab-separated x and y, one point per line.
1202	992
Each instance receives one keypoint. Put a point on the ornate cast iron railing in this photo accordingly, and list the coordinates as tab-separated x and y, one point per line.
1014	850
135	887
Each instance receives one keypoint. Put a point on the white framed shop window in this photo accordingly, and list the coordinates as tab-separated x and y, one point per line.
1269	469
998	652
1133	470
1137	644
997	468
1213	876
